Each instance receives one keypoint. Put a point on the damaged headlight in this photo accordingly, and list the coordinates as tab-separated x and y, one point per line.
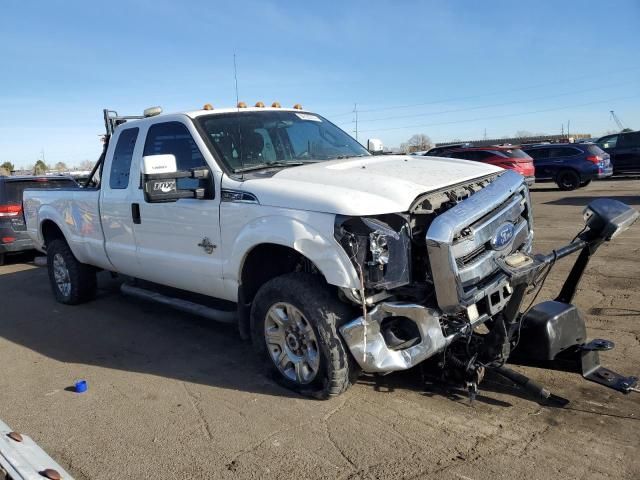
379	247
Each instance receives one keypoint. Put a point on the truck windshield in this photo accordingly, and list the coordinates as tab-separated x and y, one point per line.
253	140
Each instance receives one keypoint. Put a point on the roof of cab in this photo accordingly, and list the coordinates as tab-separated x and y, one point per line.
199	113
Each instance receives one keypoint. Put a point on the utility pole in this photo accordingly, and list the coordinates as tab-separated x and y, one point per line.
355	111
563	129
485	134
568	128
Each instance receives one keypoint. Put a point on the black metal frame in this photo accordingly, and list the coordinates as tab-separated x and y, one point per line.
584	358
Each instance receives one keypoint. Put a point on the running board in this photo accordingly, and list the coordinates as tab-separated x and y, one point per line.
223	316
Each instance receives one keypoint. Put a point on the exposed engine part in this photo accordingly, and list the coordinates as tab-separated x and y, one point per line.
432	202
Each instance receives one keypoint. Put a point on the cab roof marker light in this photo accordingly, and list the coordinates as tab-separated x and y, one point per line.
152	111
297	106
259	104
242	105
207	106
275	104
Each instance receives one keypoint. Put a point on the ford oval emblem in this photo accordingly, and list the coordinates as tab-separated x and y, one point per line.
503	236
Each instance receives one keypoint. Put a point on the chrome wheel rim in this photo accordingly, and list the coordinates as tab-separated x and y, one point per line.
61	275
292	343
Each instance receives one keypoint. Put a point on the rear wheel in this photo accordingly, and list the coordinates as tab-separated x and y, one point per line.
295	319
72	282
568	180
2	257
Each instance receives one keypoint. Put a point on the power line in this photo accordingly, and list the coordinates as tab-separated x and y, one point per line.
471	97
503	104
453	122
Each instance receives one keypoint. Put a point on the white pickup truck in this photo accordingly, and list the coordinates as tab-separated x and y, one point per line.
332	260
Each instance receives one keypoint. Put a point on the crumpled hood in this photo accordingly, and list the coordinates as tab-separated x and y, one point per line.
363	186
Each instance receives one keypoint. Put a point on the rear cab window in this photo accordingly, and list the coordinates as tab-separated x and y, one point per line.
121	163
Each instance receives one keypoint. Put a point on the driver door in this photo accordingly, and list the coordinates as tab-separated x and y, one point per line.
178	242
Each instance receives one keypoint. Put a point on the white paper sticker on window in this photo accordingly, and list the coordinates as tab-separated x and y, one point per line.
306	116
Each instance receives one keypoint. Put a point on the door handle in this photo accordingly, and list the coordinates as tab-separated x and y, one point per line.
135	213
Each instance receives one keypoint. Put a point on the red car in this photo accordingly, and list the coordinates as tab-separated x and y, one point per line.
511	158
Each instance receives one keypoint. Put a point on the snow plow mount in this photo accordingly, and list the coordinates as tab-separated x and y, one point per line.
593	371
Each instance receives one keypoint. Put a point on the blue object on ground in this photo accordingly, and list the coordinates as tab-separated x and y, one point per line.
81	386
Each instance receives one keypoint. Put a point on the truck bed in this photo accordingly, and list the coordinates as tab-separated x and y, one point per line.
76	211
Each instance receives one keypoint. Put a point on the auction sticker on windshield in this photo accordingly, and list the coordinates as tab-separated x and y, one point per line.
306	116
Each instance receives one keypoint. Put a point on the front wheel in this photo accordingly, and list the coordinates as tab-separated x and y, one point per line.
568	180
295	319
72	282
585	183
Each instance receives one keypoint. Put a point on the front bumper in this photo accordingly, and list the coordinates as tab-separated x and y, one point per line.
369	348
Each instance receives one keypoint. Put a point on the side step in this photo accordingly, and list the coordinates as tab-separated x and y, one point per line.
223	316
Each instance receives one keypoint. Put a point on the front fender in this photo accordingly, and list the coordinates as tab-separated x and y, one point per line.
311	236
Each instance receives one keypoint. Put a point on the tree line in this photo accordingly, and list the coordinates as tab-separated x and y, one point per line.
40	167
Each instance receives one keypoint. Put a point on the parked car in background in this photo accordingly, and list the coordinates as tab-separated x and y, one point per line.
570	165
437	151
624	149
506	157
13	230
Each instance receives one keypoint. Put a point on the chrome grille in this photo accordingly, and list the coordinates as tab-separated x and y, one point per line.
462	260
471	257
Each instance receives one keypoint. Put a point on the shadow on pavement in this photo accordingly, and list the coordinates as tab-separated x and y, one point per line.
118	332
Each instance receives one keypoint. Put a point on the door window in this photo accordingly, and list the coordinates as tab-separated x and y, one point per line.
608	142
463	155
174	138
559	152
121	163
629	140
483	155
538	153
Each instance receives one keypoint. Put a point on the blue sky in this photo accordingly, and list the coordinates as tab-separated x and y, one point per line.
457	67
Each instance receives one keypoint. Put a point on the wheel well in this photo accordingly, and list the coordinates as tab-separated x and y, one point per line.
267	261
568	169
50	231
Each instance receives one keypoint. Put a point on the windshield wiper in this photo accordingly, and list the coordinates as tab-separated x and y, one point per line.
342	157
260	166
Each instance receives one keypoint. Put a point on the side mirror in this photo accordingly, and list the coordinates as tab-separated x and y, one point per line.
375	146
607	218
160	179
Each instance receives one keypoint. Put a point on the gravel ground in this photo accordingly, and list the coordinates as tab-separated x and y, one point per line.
173	396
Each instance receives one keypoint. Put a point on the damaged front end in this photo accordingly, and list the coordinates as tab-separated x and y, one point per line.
446	281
